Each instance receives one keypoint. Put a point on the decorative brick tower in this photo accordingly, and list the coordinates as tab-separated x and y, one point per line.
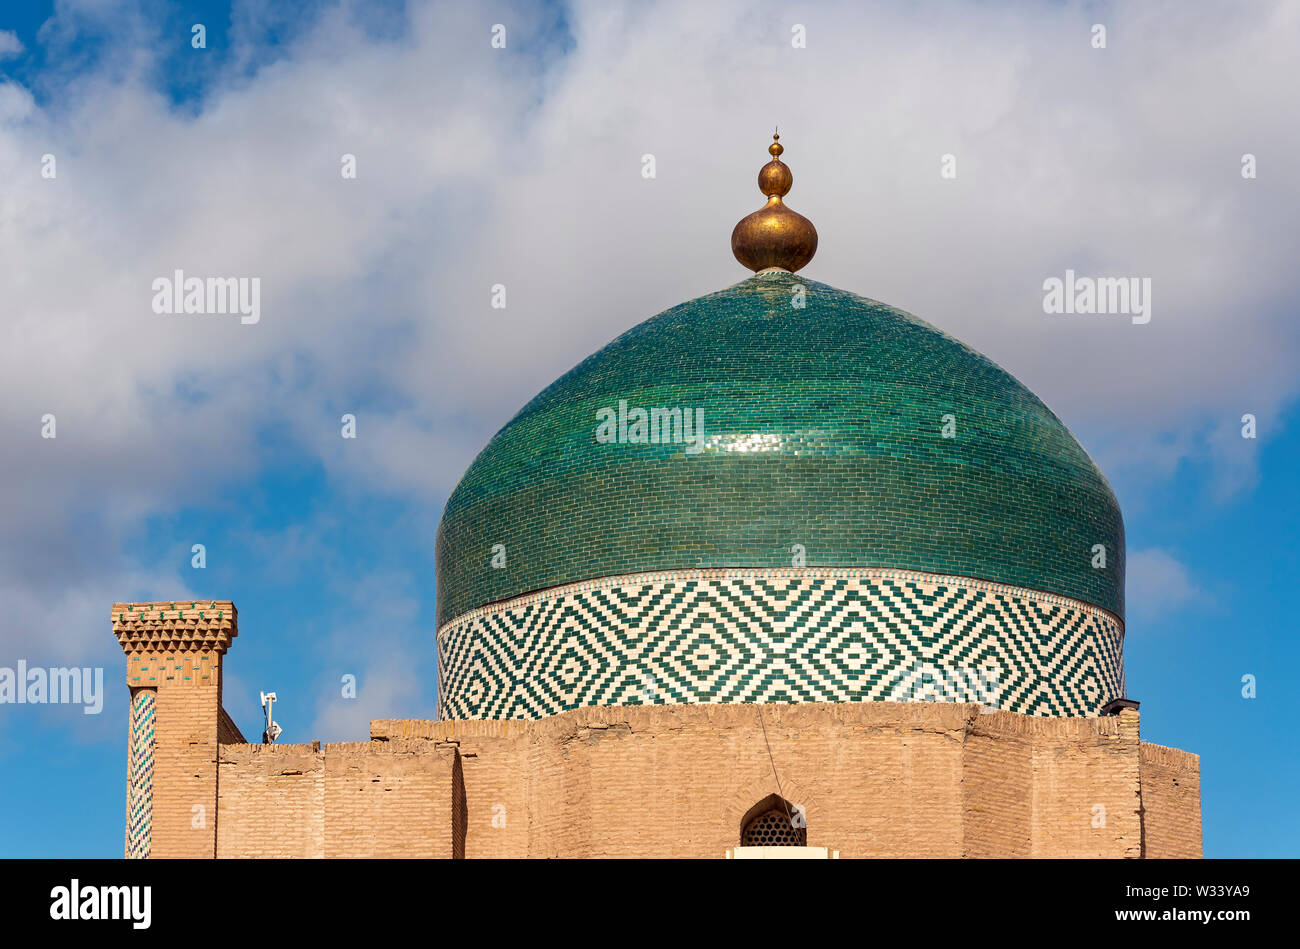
173	668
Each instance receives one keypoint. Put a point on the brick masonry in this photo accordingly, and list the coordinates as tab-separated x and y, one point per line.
368	799
876	779
1171	802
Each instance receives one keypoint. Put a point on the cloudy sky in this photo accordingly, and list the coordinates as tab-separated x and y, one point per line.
522	166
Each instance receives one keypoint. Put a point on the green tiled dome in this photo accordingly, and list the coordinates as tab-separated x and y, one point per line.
823	427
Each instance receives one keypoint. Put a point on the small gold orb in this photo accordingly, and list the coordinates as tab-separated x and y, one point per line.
775	178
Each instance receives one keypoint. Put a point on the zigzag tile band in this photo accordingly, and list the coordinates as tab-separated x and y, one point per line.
779	635
139	817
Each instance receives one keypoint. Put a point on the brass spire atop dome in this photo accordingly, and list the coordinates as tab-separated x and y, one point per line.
774	236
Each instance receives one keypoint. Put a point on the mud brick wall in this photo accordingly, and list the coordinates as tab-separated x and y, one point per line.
364	799
875	779
1171	800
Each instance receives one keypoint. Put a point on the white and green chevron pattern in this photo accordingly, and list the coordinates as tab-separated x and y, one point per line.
772	635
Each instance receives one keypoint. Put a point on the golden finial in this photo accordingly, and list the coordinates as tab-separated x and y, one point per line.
774	236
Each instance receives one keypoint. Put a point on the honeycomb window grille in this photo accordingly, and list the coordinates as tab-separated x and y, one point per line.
774	824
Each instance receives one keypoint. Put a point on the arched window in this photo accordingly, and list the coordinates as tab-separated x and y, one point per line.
774	822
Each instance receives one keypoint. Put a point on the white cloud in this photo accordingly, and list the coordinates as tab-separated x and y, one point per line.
481	166
10	44
372	643
392	690
1159	584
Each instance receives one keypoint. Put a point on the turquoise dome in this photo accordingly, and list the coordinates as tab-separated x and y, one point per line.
822	426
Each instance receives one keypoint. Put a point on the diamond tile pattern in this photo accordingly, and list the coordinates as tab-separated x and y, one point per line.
784	635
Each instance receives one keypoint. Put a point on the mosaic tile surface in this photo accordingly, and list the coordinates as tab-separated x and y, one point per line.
823	427
812	635
139	816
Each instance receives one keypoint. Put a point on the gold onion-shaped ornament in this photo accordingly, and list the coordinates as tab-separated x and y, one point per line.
774	236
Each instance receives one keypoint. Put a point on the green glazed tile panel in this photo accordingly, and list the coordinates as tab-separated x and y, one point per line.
811	635
823	427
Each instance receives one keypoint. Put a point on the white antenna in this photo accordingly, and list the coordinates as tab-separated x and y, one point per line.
273	730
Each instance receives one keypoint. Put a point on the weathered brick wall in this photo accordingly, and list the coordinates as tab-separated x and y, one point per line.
365	799
1171	801
1042	787
1085	797
1052	787
878	779
997	776
271	801
185	772
875	779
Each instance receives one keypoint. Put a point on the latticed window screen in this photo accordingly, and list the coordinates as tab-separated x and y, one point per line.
774	828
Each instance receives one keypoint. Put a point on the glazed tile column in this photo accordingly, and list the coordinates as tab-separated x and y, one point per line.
139	773
173	668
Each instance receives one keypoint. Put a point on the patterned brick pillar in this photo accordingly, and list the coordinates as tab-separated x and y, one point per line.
139	777
173	666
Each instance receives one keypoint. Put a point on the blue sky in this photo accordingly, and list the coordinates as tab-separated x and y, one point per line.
522	166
